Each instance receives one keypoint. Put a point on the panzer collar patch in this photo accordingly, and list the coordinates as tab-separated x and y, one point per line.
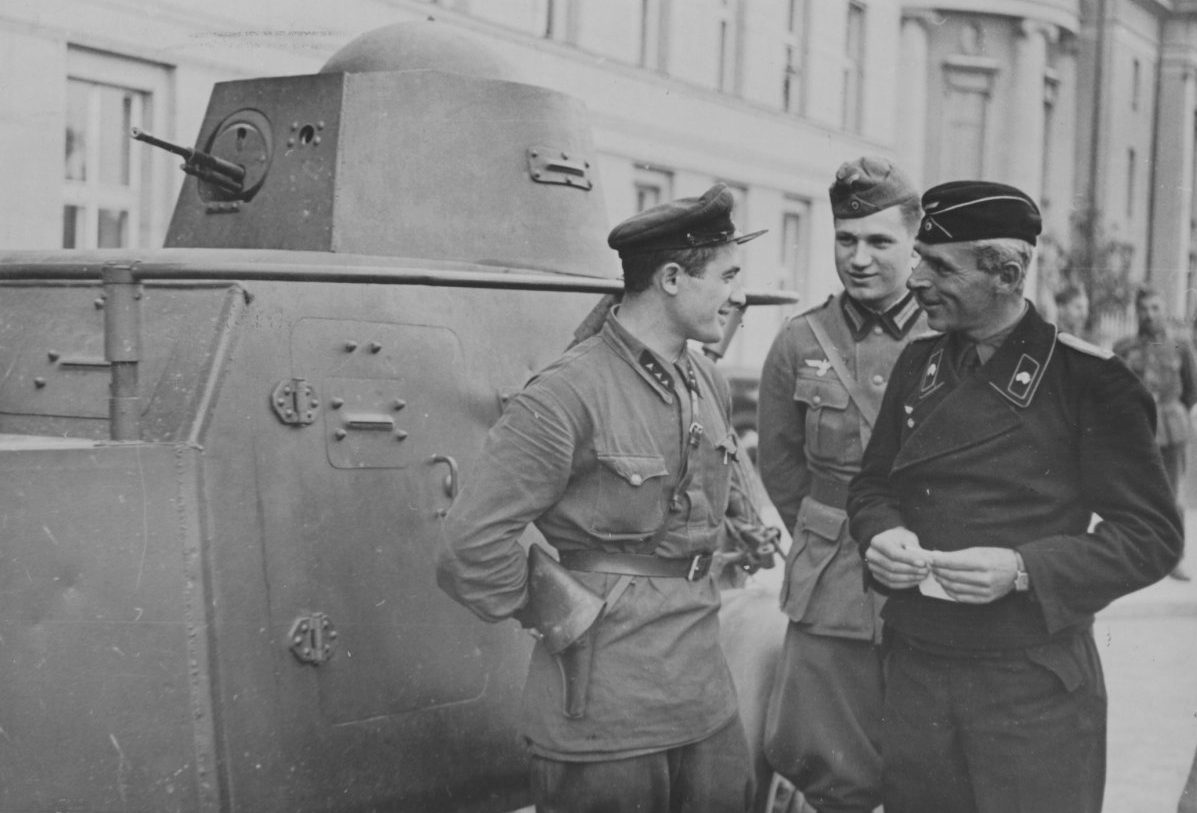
931	380
1020	389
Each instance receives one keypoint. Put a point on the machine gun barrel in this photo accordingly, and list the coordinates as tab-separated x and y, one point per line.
224	174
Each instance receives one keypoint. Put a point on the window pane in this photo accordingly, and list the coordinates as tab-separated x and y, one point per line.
72	217
116	117
76	131
114	226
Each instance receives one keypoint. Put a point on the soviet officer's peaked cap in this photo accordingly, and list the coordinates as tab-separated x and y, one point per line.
867	185
681	224
961	211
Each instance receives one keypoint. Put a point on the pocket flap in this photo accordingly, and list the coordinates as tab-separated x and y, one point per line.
822	520
819	393
636	469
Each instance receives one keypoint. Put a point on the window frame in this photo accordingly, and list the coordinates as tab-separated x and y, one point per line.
145	196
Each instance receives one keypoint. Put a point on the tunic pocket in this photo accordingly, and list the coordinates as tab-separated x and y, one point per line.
826	401
631	495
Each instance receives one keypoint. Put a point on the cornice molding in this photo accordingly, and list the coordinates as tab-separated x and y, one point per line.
1064	14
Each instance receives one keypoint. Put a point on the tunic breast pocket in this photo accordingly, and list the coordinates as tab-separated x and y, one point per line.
631	495
826	404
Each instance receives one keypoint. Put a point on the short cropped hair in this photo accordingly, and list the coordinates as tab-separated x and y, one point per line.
993	254
638	269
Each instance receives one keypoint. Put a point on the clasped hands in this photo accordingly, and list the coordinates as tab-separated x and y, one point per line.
971	576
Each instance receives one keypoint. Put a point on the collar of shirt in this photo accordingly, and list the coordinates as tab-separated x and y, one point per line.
897	320
651	367
990	344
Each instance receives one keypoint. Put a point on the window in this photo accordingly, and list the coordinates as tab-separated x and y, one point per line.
1136	79
965	119
795	248
557	20
854	57
728	76
793	90
650	34
652	186
1130	183
109	196
1051	95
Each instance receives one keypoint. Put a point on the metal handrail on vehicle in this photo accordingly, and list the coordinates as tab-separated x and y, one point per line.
121	277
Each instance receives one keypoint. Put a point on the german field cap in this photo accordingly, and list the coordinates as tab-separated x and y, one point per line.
868	185
681	224
960	211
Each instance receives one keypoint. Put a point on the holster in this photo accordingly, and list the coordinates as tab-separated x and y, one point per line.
563	612
575	662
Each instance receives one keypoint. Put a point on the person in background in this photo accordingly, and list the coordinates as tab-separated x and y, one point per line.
1165	365
1072	311
821	386
996	443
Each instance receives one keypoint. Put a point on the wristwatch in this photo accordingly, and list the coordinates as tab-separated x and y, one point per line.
1022	579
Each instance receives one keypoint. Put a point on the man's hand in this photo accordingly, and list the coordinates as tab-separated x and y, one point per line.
896	560
975	575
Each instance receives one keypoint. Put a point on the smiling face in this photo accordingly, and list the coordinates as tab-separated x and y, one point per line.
957	295
705	301
873	256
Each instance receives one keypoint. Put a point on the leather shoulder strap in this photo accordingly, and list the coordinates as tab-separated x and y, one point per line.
868	411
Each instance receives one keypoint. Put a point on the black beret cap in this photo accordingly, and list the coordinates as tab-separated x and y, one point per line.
868	185
961	211
681	224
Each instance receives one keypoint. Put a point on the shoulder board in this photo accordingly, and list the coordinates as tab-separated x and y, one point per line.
819	307
1077	343
926	336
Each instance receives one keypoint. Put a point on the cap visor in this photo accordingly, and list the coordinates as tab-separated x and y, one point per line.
744	238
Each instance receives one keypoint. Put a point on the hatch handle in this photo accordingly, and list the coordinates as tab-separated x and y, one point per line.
451	480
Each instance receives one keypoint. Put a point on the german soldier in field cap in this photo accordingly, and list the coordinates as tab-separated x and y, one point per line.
591	453
995	445
820	389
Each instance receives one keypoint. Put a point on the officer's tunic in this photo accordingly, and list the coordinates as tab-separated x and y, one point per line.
1018	454
825	710
598	452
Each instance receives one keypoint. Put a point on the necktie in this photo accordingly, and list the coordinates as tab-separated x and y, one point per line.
969	361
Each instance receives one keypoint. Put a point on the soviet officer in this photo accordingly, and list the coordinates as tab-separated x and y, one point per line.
620	453
820	390
995	445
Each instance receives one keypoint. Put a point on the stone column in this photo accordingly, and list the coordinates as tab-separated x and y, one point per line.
1026	134
1172	180
910	117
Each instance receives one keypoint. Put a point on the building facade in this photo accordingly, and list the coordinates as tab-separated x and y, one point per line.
1088	104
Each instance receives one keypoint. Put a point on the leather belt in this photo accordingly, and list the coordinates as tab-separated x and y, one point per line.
828	491
692	568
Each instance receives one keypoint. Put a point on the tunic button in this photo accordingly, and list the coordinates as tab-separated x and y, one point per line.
876	330
818	399
878	380
910	422
636	479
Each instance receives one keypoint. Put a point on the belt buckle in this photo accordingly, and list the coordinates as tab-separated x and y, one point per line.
700	566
